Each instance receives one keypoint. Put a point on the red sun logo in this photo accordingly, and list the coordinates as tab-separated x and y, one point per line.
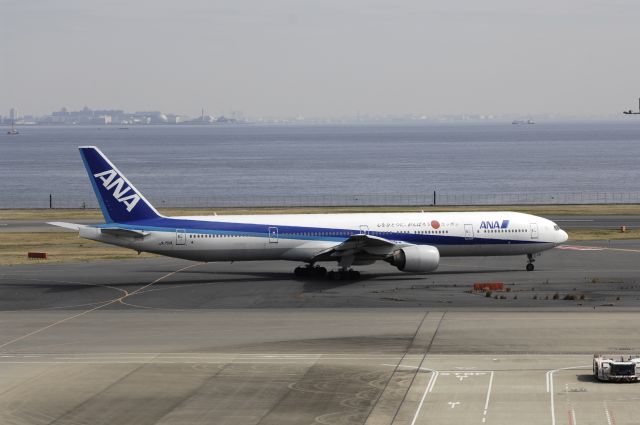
435	224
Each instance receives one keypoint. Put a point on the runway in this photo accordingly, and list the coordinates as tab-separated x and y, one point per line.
163	341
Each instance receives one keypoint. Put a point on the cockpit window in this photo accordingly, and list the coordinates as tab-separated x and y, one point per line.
556	227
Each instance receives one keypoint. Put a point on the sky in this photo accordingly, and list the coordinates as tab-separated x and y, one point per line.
321	58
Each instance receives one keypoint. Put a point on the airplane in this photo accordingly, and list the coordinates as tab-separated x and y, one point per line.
412	242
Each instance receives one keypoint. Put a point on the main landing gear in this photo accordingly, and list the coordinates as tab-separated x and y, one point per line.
310	271
530	262
320	272
341	274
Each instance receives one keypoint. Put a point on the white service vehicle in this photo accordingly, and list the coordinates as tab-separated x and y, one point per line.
607	368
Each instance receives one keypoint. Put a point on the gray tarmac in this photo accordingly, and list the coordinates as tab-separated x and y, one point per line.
596	221
164	341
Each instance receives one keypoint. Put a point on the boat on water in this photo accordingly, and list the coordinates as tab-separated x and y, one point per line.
13	129
518	122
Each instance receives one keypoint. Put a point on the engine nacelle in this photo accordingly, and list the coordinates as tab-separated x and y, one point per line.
416	259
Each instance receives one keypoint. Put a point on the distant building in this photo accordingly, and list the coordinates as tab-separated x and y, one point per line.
61	113
151	117
175	119
87	116
101	120
224	120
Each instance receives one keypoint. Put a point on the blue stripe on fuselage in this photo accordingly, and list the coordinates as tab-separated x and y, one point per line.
167	224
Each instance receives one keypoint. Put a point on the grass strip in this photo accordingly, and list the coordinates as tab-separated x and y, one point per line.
60	247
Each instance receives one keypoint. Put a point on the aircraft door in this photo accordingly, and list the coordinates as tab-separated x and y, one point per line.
364	229
181	237
273	235
534	230
468	232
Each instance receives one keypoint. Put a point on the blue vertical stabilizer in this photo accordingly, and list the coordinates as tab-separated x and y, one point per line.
119	200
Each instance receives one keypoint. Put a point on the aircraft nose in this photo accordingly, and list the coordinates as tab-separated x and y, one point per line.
562	237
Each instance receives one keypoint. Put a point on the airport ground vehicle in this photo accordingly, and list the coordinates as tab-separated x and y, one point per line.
616	368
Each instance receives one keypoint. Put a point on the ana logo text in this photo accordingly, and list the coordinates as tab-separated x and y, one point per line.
494	224
109	181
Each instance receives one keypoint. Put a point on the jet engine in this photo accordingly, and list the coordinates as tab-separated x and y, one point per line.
415	258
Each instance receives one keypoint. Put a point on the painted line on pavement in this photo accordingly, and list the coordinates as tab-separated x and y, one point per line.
486	402
427	390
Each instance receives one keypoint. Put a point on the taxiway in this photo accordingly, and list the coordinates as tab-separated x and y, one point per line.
163	341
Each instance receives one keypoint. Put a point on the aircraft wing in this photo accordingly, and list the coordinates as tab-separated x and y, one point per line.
361	245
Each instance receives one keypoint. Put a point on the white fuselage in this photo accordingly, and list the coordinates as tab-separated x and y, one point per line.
301	237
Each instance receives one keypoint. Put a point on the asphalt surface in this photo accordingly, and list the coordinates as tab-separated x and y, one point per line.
164	341
564	221
596	221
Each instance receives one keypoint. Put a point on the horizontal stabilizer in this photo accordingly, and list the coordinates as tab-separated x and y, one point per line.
118	231
70	226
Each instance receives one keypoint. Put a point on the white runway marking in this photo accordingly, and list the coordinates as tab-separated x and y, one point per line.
408	367
430	388
461	376
553	407
337	356
427	390
550	388
195	358
486	402
547	376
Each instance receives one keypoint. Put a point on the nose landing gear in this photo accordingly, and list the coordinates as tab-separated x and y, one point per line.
531	260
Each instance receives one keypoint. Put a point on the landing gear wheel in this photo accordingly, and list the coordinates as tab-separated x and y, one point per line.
343	275
530	265
310	271
353	275
319	271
